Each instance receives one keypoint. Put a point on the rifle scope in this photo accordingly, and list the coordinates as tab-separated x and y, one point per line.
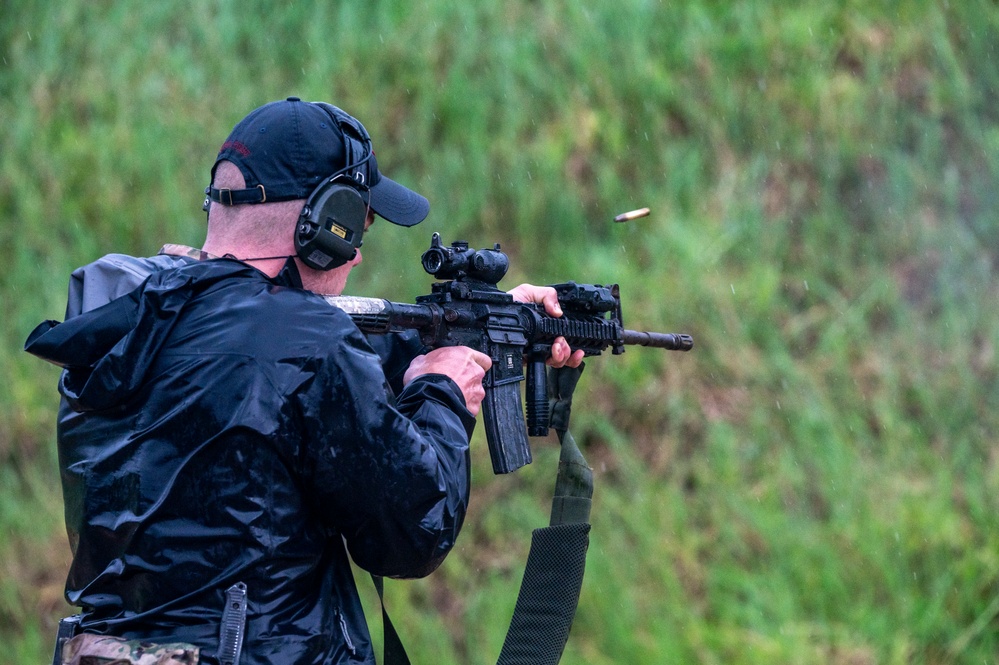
459	261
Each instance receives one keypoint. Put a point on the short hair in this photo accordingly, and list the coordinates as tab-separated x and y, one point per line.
249	222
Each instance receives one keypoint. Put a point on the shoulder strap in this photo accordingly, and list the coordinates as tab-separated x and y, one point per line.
553	578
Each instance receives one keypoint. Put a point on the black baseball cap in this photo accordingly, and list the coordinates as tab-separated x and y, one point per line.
285	149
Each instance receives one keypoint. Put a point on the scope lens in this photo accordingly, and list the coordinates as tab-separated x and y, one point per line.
432	261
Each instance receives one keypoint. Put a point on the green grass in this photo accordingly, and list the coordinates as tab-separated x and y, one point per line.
815	483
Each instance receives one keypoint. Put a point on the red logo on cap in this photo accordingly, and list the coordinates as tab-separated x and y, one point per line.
237	146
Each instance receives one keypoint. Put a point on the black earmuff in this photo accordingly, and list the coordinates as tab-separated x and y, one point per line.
331	226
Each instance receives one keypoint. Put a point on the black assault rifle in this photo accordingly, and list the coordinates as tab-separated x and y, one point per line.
469	310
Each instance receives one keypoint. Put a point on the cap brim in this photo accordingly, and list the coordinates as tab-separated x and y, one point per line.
399	205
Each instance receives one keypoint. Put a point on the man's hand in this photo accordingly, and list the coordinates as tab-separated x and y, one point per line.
562	354
465	366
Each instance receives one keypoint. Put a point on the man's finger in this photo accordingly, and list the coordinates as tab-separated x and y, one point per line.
482	360
552	305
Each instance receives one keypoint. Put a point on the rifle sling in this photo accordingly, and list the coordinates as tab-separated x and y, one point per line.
395	653
553	577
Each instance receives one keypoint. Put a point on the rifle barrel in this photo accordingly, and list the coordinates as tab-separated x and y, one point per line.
670	341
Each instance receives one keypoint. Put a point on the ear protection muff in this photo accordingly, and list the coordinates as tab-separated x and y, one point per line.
331	225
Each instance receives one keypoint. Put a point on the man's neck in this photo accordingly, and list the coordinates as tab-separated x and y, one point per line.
293	276
268	260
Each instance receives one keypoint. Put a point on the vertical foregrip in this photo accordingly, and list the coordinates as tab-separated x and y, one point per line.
537	398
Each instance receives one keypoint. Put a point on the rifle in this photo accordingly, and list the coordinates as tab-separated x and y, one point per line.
468	309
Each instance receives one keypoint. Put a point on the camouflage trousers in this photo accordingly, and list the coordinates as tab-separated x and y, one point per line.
87	649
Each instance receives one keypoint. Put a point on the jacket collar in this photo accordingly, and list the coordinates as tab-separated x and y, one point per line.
287	276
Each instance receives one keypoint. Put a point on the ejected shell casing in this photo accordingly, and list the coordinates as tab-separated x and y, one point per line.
634	214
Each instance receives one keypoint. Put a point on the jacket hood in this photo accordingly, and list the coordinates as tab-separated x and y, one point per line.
107	352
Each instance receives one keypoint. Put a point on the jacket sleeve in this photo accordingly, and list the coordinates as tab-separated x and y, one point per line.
392	479
396	350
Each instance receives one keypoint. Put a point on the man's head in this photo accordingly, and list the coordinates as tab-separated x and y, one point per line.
288	151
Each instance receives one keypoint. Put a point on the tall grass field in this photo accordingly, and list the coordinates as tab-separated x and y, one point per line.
817	482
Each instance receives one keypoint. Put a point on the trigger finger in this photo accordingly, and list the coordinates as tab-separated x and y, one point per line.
482	360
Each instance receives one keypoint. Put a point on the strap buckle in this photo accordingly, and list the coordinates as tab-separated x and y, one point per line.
226	198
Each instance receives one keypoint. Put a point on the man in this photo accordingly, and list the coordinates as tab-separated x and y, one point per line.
224	429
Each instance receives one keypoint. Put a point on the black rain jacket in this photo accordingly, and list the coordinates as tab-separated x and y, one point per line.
218	427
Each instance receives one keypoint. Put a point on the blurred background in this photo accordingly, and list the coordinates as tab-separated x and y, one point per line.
816	482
